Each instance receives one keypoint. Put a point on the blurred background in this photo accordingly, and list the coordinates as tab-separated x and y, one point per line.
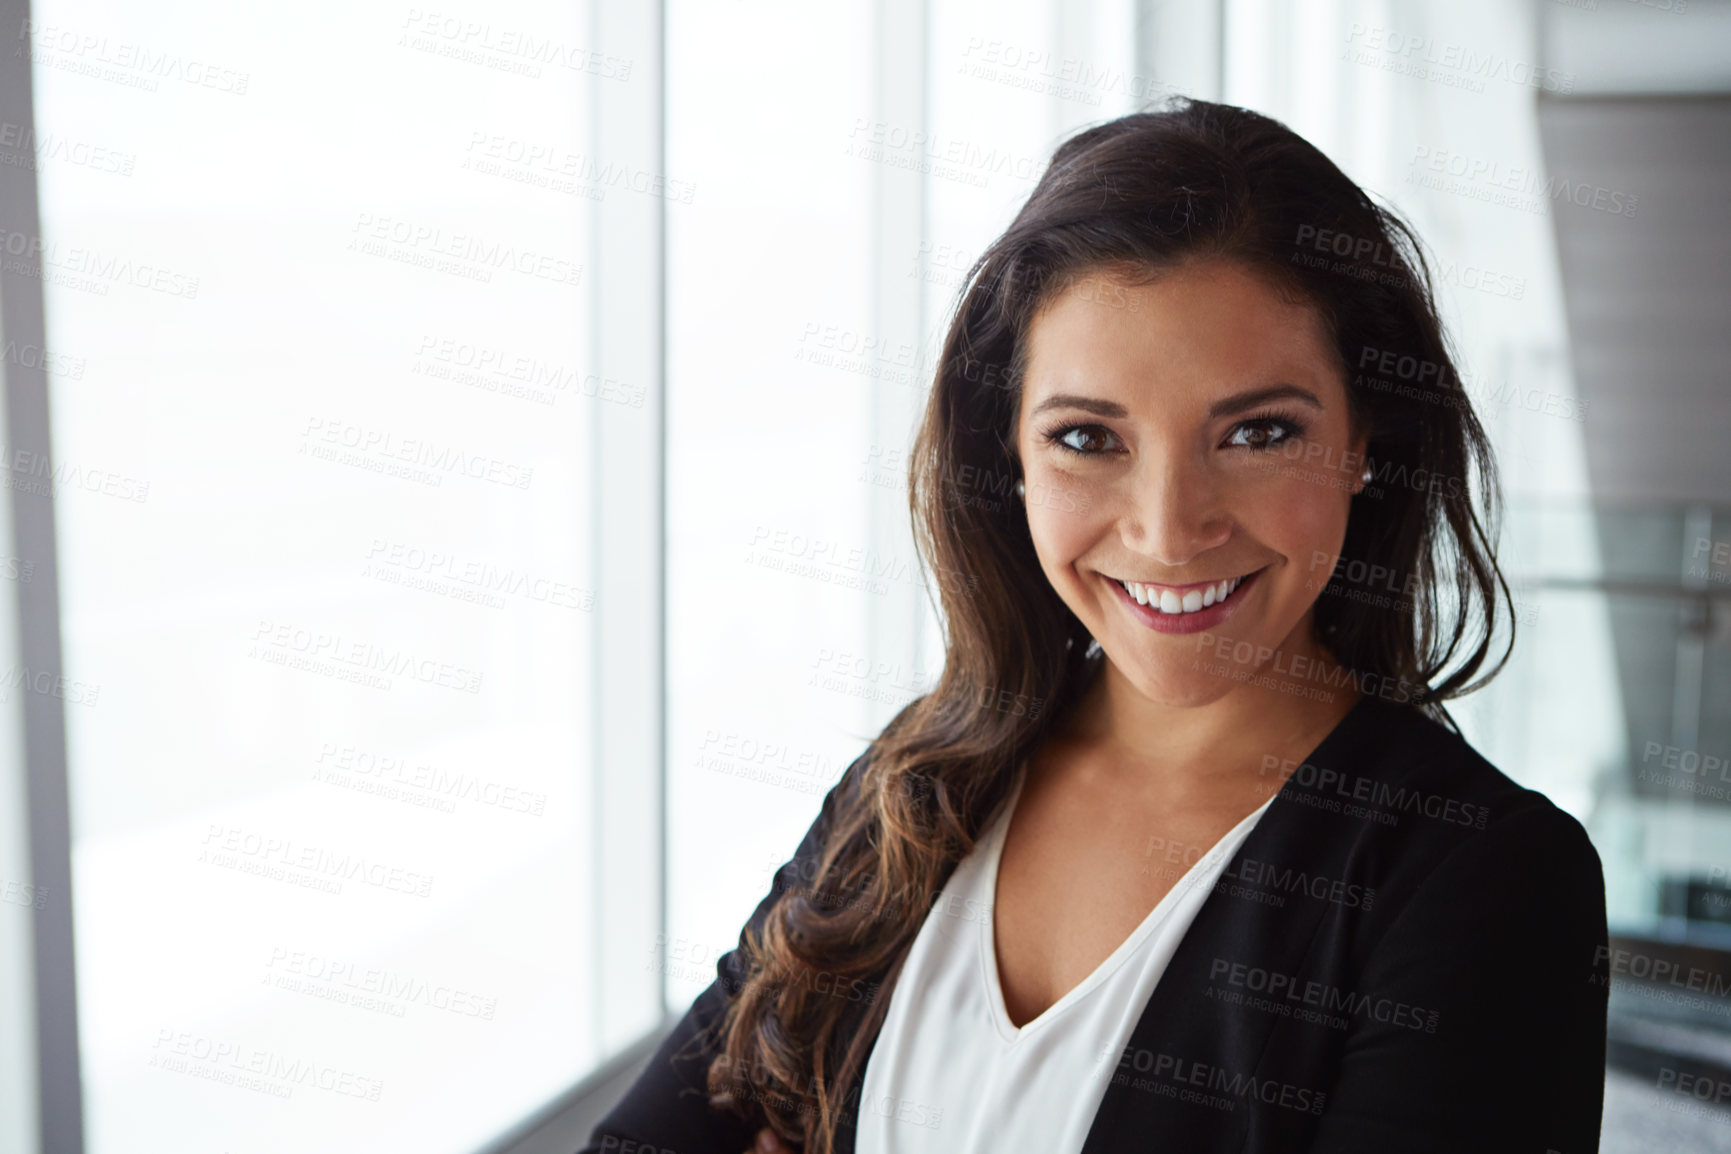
456	529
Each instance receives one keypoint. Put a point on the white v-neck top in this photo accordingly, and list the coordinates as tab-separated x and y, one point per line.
949	1074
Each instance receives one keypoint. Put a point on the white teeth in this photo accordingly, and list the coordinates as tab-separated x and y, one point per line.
1166	601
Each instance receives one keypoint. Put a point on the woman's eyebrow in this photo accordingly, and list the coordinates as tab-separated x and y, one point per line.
1076	401
1237	403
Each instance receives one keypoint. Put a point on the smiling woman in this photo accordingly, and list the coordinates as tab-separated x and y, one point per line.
1372	939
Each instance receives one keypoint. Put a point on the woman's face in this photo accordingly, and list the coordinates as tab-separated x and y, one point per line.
1176	435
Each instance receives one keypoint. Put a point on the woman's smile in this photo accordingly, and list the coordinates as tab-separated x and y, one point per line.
1176	599
1183	608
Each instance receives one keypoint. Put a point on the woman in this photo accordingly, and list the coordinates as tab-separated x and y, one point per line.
1183	852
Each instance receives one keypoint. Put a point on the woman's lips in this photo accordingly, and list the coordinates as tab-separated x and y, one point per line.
1206	617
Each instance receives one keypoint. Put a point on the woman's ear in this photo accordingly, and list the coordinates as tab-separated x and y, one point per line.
1357	452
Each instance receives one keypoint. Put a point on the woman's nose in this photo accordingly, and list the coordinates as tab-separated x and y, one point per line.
1174	513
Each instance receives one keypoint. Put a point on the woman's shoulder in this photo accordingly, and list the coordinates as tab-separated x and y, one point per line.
1406	747
1436	802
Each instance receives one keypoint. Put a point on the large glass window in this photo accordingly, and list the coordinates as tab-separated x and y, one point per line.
772	361
317	309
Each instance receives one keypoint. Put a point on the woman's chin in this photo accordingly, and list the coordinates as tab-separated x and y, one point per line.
1180	688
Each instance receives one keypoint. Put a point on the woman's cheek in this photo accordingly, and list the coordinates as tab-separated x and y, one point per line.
1304	521
1311	502
1064	518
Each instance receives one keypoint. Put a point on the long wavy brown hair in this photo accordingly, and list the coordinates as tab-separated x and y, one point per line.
1192	180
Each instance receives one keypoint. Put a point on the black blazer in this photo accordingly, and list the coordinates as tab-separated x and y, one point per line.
1407	953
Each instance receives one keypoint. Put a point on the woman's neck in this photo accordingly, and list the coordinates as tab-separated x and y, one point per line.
1278	713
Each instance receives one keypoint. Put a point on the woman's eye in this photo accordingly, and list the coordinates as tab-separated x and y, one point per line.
1262	433
1085	439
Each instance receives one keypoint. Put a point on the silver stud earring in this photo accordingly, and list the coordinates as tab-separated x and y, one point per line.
1366	475
1021	490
